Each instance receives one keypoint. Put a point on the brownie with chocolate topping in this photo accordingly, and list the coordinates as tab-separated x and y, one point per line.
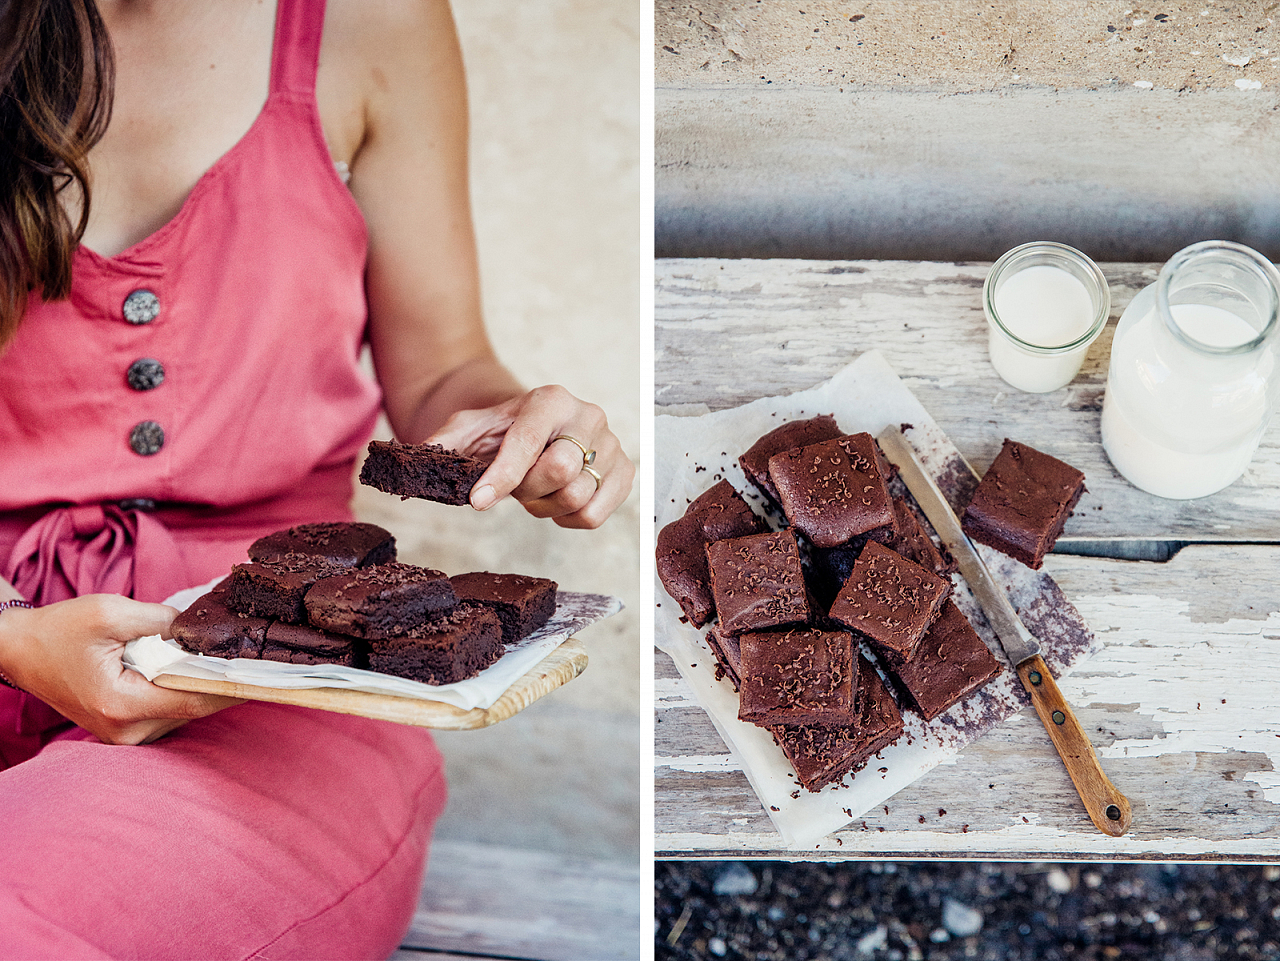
728	655
428	471
681	556
299	644
1022	503
797	676
795	433
340	543
523	603
834	490
277	589
208	626
891	600
823	755
382	602
950	664
452	647
757	582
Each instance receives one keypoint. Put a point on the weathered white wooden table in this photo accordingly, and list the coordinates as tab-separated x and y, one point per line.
1182	703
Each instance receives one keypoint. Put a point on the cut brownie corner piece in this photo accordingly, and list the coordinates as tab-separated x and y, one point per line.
1023	502
951	663
453	647
792	434
379	602
209	627
427	471
834	490
523	603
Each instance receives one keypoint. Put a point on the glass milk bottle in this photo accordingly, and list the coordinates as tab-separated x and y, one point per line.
1193	378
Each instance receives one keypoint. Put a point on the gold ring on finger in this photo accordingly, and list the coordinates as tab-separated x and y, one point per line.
588	455
594	473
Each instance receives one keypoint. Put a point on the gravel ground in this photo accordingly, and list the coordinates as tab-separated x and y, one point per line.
929	911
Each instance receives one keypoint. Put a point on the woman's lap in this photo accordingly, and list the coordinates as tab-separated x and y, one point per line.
262	831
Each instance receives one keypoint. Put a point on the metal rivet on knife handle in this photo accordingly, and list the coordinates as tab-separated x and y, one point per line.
1034	677
1058	716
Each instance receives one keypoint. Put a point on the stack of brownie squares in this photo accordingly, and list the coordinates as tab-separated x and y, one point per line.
334	593
792	608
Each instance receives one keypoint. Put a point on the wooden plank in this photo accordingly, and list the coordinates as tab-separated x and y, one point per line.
489	901
793	324
556	669
1183	705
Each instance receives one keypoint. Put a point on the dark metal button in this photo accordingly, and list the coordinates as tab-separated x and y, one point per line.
145	374
136	504
146	438
141	307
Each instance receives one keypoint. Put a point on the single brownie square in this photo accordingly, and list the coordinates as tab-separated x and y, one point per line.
823	755
455	646
725	649
299	644
795	433
797	676
912	541
209	627
383	601
833	491
1023	502
891	600
421	470
681	556
343	544
951	663
757	582
277	589
523	604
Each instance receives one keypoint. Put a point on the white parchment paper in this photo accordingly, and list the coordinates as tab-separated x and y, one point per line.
693	452
153	656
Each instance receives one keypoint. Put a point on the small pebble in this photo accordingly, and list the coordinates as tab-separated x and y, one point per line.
1059	881
735	878
939	935
960	919
873	940
717	947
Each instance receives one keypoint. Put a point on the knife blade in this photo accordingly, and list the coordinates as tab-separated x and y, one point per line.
1107	807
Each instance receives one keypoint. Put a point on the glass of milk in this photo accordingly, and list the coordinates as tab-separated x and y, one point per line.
1193	378
1045	304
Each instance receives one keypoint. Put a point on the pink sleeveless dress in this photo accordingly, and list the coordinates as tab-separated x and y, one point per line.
196	391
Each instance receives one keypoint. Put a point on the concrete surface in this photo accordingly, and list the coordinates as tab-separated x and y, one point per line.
956	130
556	189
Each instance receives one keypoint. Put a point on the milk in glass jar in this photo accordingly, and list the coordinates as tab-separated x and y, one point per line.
1193	379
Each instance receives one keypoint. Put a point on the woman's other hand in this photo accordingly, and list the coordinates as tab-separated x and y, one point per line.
534	460
68	654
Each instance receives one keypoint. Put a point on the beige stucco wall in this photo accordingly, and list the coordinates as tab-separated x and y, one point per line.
555	105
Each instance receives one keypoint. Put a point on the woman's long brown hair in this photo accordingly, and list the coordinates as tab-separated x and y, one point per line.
56	72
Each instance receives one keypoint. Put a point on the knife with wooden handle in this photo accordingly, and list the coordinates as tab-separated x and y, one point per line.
1107	807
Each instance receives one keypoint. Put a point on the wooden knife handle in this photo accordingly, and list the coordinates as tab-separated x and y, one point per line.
1107	807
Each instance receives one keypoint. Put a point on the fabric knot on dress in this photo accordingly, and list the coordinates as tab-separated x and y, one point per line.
94	549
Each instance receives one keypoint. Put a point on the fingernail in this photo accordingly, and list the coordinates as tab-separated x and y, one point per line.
482	498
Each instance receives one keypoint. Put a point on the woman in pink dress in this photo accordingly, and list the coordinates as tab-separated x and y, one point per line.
186	285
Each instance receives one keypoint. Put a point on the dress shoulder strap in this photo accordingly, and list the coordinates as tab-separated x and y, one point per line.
295	53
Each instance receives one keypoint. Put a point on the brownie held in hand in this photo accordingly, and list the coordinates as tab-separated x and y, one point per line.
343	544
1023	502
834	490
428	471
382	601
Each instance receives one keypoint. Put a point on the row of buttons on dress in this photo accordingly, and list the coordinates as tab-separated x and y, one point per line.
145	373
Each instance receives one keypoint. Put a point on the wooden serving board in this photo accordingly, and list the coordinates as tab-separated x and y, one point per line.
556	669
